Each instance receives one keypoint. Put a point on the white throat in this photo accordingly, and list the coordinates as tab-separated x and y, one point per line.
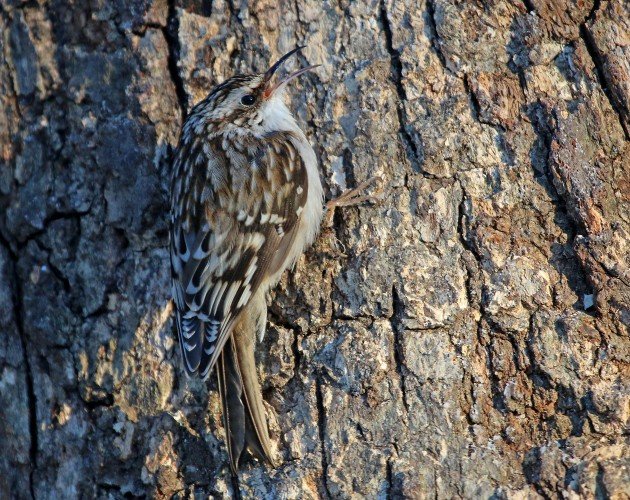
276	117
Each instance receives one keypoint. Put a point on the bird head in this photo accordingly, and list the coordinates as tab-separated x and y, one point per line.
249	101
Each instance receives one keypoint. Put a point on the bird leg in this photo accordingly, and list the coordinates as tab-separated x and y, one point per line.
350	198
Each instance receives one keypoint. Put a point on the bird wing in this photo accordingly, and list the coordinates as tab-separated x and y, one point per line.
236	205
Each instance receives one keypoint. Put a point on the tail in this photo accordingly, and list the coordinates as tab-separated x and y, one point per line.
243	411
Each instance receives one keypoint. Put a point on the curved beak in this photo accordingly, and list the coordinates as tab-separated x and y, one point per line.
270	88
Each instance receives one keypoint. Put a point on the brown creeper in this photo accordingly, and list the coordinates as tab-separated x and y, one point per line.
246	199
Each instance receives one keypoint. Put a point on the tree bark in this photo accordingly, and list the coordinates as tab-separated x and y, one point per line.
467	336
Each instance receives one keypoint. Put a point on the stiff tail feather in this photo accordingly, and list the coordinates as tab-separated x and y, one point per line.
243	411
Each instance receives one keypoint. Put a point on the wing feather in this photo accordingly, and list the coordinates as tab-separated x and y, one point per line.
229	240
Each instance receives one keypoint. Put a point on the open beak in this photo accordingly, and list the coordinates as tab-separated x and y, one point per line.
270	88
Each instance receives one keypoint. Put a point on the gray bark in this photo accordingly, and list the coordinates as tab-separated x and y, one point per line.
467	336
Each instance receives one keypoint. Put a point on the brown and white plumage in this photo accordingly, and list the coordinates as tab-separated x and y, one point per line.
245	201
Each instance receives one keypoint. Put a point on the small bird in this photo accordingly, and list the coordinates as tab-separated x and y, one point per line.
246	200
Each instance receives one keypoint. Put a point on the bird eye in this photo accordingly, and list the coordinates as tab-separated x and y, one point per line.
248	100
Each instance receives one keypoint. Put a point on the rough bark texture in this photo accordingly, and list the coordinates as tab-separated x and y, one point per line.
465	337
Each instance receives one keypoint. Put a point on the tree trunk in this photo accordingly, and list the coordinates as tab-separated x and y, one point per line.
466	336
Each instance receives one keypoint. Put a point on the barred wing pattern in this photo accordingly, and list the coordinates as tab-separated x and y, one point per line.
236	204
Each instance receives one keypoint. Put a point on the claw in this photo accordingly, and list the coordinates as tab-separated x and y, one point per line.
351	198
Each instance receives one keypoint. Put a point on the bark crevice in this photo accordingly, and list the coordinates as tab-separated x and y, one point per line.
411	149
398	331
435	40
171	34
321	428
598	63
16	288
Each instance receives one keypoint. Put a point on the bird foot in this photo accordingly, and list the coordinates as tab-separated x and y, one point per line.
352	197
